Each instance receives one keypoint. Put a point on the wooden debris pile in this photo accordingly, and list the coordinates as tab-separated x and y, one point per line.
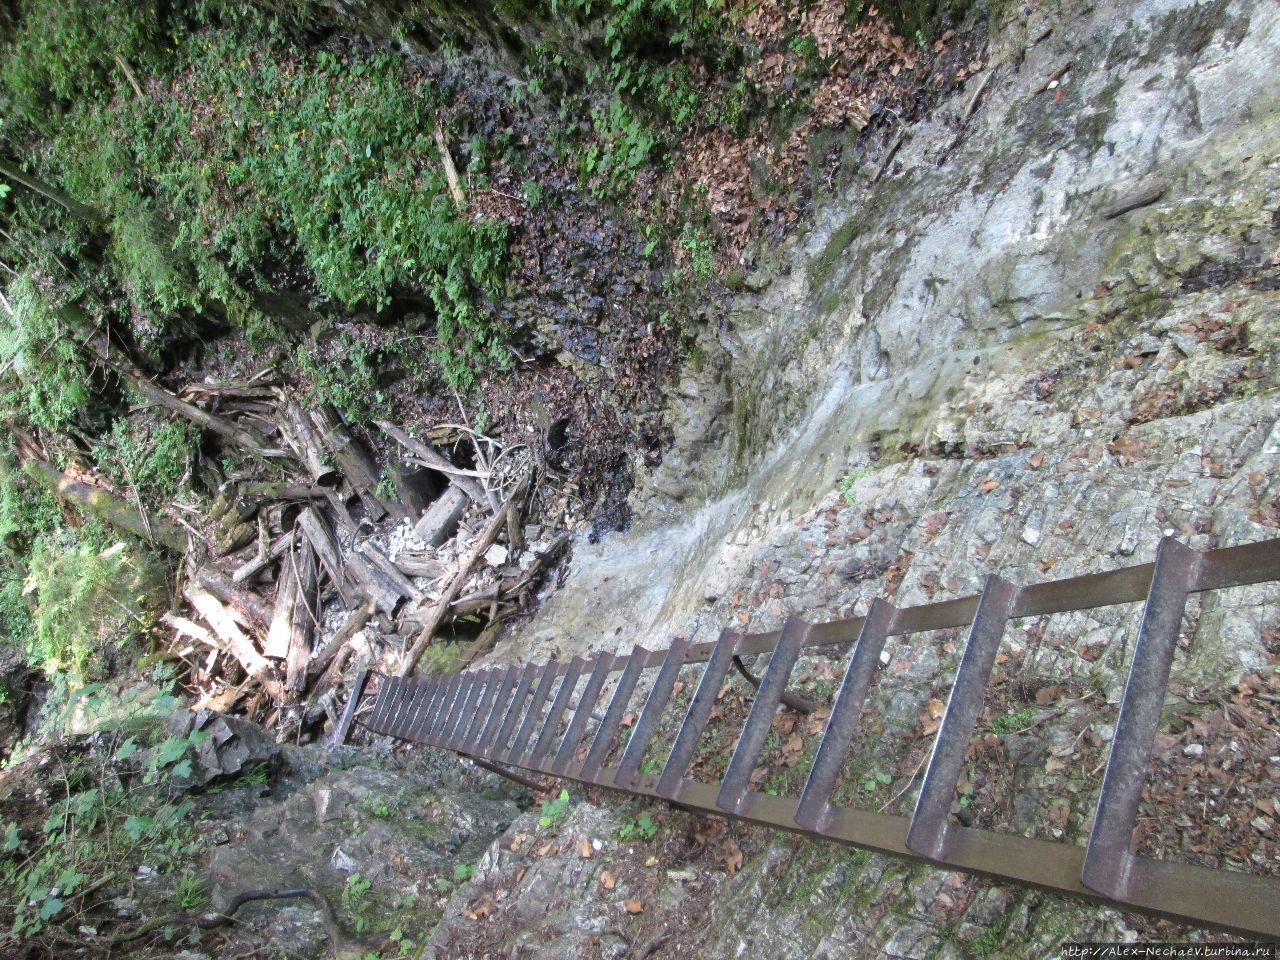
335	556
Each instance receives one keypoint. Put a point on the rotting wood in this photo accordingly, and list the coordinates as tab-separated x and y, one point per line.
341	637
375	584
319	532
416	564
249	608
394	574
450	171
441	520
465	480
414	487
233	640
354	461
300	434
441	607
276	644
278	548
248	440
105	505
306	616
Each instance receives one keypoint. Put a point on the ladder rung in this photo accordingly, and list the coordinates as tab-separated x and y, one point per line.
491	681
551	725
814	803
500	705
385	692
578	722
754	732
928	830
475	687
1107	859
613	716
531	715
699	711
403	697
443	711
503	740
647	725
422	709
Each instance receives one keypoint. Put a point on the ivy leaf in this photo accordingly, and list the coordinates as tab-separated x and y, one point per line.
135	827
4	190
884	778
11	837
182	769
127	749
50	907
170	750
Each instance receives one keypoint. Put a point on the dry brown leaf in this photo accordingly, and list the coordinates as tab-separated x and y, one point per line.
633	906
733	857
651	862
990	485
1036	460
584	848
608	880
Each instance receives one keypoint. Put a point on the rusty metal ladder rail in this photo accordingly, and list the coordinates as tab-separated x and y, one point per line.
499	716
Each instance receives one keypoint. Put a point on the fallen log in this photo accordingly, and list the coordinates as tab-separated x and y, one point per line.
105	505
416	564
276	645
319	532
300	434
441	607
232	640
264	559
343	636
354	461
374	584
465	480
306	620
441	520
247	440
415	487
392	573
250	609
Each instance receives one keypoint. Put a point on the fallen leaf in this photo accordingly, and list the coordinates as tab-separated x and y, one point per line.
584	848
633	906
990	485
1046	695
543	850
733	857
651	862
1036	460
1090	652
608	880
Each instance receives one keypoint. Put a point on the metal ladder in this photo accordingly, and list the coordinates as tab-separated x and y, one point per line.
497	715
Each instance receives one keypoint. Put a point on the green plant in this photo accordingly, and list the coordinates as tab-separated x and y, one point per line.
642	828
189	892
553	811
847	483
355	898
100	816
89	602
1014	720
462	872
876	781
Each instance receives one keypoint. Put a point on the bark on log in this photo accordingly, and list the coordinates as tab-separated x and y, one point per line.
306	620
276	645
233	640
77	209
344	635
354	461
374	584
441	520
465	480
250	609
393	574
319	532
441	606
414	485
105	505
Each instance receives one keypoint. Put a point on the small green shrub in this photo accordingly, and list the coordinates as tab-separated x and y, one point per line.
88	603
553	811
642	828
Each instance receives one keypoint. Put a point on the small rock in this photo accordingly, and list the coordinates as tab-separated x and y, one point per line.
496	555
1261	824
1030	535
1193	750
340	861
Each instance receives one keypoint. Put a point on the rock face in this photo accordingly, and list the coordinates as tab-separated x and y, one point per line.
979	365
